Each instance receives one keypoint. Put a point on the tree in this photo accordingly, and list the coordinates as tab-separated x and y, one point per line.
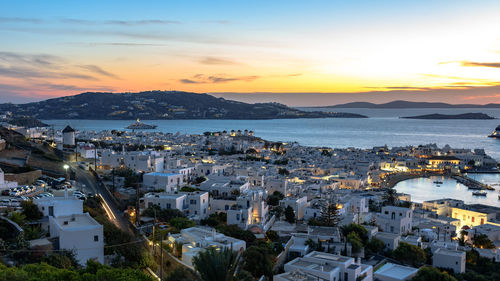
30	211
355	242
237	232
289	214
356	228
410	254
283	172
274	199
258	260
329	214
390	197
272	235
313	245
482	241
427	273
18	218
375	246
181	223
216	265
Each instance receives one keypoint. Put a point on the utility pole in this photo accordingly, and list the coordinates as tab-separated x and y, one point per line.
161	256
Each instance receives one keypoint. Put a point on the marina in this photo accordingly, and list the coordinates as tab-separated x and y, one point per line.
423	189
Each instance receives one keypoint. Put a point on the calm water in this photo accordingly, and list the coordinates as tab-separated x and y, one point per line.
383	127
423	189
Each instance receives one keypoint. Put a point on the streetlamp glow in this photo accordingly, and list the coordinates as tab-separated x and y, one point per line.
66	167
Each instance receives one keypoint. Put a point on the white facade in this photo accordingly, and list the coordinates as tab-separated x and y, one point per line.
391	240
444	258
298	204
147	161
164	181
79	233
192	204
395	219
196	239
59	206
86	150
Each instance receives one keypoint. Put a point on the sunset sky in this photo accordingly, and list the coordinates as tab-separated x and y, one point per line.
294	52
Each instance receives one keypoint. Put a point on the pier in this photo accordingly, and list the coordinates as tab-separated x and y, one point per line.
471	183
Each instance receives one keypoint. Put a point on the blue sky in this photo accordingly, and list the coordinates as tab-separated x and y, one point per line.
252	46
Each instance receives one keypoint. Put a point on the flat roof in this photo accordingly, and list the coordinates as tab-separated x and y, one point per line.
158	174
308	264
448	252
387	235
297	275
396	271
76	222
327	256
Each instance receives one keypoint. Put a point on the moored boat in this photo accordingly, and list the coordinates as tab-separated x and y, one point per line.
496	133
479	193
138	125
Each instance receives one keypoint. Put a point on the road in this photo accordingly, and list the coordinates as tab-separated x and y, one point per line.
91	185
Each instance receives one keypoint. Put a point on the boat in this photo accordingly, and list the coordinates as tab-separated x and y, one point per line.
479	193
138	125
438	182
496	133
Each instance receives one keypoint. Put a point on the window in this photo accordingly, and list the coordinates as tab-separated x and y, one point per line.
168	205
237	217
473	219
96	238
400	214
393	215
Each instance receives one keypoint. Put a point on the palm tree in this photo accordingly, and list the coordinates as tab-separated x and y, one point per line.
216	264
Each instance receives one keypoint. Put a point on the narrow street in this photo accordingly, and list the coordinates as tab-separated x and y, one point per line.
91	185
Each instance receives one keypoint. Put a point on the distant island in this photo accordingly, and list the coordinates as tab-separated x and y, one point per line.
477	116
158	105
408	104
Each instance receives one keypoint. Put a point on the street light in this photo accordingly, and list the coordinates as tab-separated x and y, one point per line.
66	167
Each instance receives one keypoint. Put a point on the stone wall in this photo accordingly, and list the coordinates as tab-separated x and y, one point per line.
24	178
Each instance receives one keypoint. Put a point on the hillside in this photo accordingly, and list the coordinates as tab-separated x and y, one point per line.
158	105
477	116
410	104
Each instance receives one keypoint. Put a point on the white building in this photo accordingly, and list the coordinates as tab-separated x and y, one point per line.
391	240
139	161
395	272
251	209
450	259
196	239
298	205
86	150
395	219
164	181
192	204
331	267
79	233
59	206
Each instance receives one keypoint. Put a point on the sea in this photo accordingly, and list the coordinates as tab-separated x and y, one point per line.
383	127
